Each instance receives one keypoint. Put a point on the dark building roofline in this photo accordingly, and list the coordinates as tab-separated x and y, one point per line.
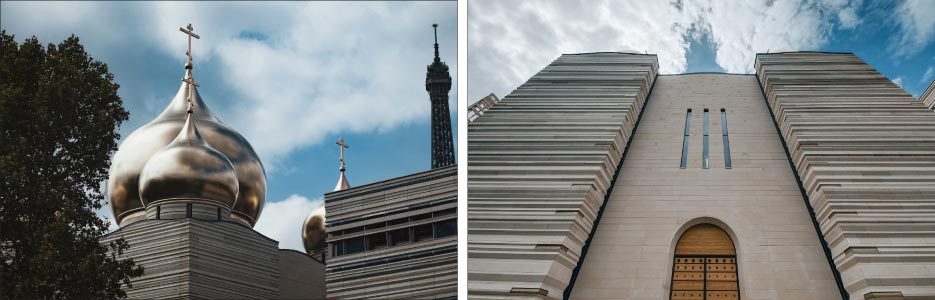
816	52
609	52
389	183
708	73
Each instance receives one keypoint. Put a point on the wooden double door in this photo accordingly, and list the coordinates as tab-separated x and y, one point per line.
705	266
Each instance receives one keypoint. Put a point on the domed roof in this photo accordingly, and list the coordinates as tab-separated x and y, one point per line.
313	231
142	144
188	168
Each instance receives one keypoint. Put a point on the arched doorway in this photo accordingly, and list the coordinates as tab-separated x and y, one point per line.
705	265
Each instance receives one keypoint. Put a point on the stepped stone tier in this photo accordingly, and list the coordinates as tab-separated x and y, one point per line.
394	239
928	97
541	161
206	258
865	153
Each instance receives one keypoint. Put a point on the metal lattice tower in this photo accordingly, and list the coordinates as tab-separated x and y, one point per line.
438	84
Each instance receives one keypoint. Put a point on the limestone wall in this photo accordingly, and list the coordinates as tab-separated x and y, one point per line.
540	163
191	258
865	152
424	269
757	202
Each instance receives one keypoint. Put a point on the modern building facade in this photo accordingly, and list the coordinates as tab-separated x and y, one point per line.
394	239
599	179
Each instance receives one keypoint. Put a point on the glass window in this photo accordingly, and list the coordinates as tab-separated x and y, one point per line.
421	217
727	164
376	241
338	248
446	228
449	211
688	126
704	151
399	237
397	221
422	233
375	225
354	245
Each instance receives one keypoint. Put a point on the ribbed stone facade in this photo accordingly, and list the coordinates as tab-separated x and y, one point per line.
865	152
394	239
540	163
928	97
192	258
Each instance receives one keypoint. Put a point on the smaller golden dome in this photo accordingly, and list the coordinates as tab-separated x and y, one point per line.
313	231
188	168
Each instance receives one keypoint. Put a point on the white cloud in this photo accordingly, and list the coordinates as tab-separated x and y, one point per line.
509	42
898	81
306	70
916	19
927	77
739	31
283	220
324	68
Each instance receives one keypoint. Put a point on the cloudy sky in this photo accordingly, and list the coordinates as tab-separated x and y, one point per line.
292	77
509	41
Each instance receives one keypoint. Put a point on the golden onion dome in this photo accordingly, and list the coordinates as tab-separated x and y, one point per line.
188	168
142	144
313	231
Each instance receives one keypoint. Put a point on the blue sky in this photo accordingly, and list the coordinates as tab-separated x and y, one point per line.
292	77
509	42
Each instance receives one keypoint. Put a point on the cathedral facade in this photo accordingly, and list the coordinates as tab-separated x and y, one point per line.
600	179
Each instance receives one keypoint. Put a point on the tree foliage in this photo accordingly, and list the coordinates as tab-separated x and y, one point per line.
59	111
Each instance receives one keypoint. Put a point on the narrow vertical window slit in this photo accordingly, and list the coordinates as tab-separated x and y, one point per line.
727	164
704	151
688	119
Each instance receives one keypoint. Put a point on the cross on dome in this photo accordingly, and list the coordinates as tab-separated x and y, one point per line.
190	31
189	78
342	146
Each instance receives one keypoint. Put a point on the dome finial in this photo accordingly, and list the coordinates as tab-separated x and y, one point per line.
342	181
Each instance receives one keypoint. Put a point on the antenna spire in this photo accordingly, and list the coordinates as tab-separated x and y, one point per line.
435	27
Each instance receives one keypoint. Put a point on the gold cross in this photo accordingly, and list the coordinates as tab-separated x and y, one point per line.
191	34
